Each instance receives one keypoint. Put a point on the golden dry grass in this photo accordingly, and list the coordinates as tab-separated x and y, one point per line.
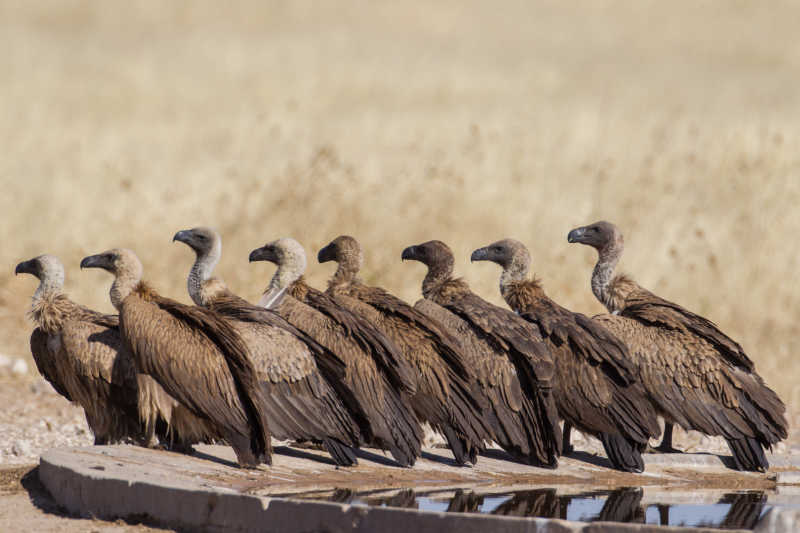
400	122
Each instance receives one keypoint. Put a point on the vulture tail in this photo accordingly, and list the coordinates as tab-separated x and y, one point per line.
624	454
404	432
748	454
340	452
458	445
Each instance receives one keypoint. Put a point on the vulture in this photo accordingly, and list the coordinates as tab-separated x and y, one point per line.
520	392
695	375
596	388
300	403
194	354
78	351
444	397
375	382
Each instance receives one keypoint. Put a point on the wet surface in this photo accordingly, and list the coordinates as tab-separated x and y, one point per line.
735	510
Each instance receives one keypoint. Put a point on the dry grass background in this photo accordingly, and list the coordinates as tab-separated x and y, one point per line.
399	122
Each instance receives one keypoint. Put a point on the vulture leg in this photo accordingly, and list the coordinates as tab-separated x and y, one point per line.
666	441
663	514
568	448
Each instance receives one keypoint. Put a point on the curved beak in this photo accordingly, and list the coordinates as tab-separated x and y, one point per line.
93	261
576	234
264	253
26	267
182	236
481	254
326	254
409	253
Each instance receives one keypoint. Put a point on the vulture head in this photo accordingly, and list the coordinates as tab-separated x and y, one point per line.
45	267
345	250
118	261
600	235
435	254
204	241
510	254
287	253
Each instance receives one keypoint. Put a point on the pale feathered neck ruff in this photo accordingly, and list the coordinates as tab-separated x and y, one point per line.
522	294
617	291
50	311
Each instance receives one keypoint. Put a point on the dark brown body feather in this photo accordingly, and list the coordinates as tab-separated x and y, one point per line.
511	415
372	373
696	375
445	386
201	361
597	387
300	403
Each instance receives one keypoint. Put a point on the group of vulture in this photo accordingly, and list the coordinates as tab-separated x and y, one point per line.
355	366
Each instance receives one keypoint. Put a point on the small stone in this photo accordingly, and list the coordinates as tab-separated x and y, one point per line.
19	368
22	448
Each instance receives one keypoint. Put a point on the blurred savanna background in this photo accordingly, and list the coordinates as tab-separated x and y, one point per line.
399	122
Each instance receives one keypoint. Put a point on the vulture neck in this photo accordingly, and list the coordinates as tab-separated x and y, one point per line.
201	273
438	273
608	257
51	284
127	278
346	273
515	271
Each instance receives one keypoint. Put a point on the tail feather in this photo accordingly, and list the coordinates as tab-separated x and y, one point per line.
343	454
748	454
624	454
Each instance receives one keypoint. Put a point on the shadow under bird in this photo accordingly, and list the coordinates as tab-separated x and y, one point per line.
300	404
194	354
376	381
596	388
506	350
695	375
445	397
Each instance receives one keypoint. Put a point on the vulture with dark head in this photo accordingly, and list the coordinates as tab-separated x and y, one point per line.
299	403
444	397
696	376
493	337
78	351
596	388
194	354
375	380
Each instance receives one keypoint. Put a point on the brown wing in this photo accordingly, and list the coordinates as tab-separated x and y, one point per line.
446	345
239	309
377	407
511	415
386	354
45	362
692	385
300	404
597	385
104	377
646	307
201	361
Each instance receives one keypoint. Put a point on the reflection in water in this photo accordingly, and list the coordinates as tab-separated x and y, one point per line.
739	510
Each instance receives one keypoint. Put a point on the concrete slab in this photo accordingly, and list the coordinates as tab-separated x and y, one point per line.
207	490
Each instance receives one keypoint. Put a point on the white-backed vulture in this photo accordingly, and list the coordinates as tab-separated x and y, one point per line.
444	396
596	388
78	351
495	333
300	403
194	354
696	376
375	381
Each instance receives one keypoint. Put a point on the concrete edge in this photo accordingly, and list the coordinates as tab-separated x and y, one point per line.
95	495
